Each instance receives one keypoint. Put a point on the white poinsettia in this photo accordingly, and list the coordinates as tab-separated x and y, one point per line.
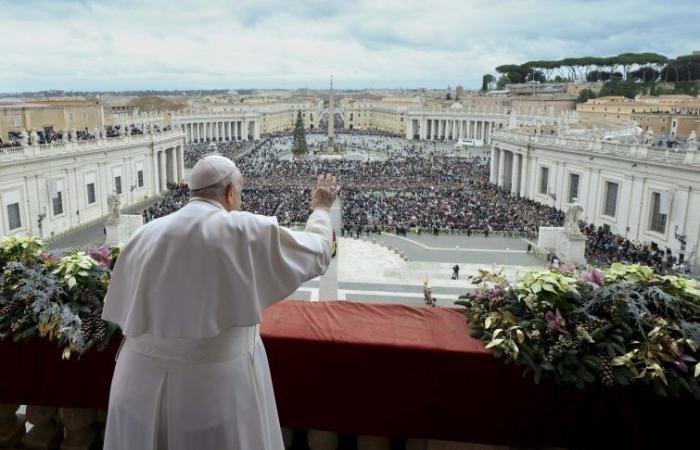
74	266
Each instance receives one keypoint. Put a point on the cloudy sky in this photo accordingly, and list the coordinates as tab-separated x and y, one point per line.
187	44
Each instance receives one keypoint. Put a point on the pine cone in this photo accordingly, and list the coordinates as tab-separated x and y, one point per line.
100	330
606	373
583	335
591	325
88	326
9	310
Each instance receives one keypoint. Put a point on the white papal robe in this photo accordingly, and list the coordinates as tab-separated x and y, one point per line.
188	291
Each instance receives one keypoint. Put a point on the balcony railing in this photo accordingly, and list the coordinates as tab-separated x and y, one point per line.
380	376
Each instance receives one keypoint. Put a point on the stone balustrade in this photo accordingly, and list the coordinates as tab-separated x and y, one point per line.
77	146
51	428
630	150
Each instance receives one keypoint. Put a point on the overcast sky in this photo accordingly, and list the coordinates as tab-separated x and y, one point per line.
229	44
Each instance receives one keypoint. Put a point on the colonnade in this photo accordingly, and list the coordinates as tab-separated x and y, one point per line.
451	129
509	170
168	167
220	130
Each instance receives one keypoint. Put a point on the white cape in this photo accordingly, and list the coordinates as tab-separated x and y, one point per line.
188	291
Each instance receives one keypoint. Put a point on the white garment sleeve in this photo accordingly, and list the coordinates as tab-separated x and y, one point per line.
289	258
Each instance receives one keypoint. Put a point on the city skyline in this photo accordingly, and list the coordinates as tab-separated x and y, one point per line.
178	45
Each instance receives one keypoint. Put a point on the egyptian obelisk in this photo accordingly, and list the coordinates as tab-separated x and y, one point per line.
331	119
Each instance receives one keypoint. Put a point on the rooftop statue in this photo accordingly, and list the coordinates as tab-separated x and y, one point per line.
692	141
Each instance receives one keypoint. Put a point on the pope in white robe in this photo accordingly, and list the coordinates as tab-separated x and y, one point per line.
188	291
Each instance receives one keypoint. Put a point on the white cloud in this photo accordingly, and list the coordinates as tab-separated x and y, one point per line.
266	43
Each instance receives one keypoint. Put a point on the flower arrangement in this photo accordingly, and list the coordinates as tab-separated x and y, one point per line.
55	296
584	328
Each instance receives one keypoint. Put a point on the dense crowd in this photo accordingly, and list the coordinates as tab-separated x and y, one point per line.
604	247
418	186
229	149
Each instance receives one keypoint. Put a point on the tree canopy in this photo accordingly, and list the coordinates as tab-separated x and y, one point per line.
640	67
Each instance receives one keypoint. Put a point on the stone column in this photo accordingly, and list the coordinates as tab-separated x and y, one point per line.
162	177
365	442
11	426
180	164
172	170
45	433
493	175
79	432
515	175
461	130
524	175
154	173
501	168
322	440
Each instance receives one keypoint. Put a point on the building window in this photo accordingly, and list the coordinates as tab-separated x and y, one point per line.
85	117
57	203
17	121
610	198
658	213
573	187
544	179
139	176
71	116
91	193
13	218
118	184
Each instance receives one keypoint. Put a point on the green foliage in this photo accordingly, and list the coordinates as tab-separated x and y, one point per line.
486	81
644	67
627	326
627	89
299	145
585	95
53	296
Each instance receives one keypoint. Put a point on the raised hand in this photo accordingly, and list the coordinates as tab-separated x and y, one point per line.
326	190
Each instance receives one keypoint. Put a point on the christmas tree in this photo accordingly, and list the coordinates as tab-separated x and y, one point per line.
299	138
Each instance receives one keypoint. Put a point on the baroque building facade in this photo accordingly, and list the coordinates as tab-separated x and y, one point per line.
643	193
46	190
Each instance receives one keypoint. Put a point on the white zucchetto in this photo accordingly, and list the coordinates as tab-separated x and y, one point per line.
210	170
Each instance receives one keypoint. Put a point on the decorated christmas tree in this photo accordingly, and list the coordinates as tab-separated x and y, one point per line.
299	138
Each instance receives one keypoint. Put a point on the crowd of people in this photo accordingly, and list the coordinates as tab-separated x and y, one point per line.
416	187
605	248
229	149
50	136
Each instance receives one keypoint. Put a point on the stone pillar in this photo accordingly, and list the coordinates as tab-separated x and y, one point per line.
501	168
12	428
181	164
373	442
461	130
515	175
79	432
524	176
227	130
322	440
172	165
45	433
162	177
493	175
